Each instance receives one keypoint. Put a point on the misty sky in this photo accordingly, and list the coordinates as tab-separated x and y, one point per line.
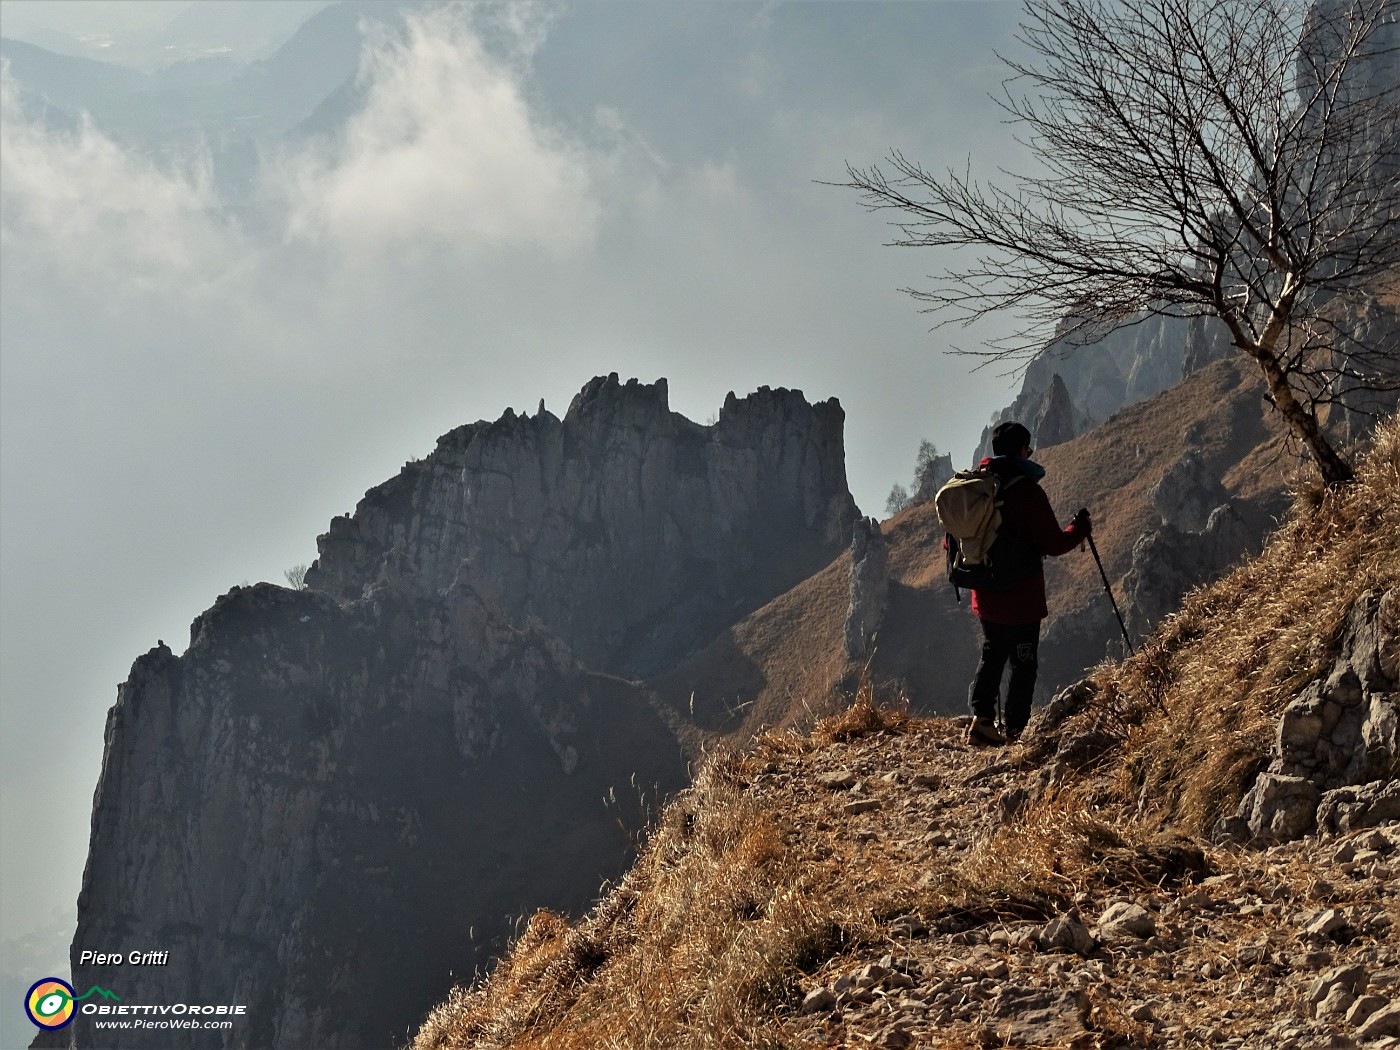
520	199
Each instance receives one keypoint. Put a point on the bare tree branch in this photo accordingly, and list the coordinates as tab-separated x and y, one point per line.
1235	158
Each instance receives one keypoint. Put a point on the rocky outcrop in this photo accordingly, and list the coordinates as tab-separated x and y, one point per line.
339	798
1201	534
1055	421
1099	378
1336	755
1188	493
630	532
1366	324
869	587
1168	561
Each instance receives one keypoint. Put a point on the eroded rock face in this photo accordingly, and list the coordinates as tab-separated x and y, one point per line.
323	811
1188	492
627	530
1056	420
1127	365
1337	751
869	587
1169	561
333	805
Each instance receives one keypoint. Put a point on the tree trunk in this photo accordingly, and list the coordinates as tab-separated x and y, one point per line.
1335	470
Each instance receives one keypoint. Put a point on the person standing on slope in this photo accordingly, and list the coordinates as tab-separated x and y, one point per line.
1011	618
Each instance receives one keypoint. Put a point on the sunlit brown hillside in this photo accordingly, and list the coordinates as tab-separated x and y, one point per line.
878	883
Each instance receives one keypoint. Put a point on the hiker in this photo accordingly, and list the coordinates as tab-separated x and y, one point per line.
1011	618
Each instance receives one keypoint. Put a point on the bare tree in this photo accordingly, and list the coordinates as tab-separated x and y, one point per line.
1228	157
897	500
296	577
930	472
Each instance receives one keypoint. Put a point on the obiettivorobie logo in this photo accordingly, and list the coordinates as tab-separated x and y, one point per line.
52	1003
49	1003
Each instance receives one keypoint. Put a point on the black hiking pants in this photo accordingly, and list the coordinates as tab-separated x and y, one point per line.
1018	645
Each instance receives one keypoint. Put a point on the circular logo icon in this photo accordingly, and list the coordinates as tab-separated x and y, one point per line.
50	1003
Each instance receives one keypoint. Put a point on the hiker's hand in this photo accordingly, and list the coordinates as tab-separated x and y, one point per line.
1082	523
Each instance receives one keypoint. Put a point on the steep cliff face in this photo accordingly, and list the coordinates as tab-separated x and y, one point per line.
1127	365
317	807
626	529
337	799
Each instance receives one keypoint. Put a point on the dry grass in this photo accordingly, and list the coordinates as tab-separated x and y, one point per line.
698	947
704	941
1221	670
1052	851
866	715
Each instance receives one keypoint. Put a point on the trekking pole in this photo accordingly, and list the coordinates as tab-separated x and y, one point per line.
1109	591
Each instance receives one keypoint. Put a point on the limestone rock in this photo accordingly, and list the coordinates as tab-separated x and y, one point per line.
869	587
1099	377
628	531
1278	808
1385	1022
1363	1008
1168	561
1323	924
1337	745
1206	341
1365	806
1028	1016
281	805
1127	919
1351	979
1068	934
1335	1005
1188	492
1054	421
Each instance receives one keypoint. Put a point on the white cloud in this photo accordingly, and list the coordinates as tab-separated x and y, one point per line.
98	214
445	150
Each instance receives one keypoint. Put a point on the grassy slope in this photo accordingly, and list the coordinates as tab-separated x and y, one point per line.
703	943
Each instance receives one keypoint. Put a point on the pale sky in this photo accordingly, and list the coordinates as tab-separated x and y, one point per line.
523	199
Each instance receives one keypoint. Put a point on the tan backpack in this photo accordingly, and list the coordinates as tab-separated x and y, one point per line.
969	509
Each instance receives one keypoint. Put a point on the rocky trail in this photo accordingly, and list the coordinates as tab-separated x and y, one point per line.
1294	946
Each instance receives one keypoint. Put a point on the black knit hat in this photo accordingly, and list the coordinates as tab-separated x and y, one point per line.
1009	438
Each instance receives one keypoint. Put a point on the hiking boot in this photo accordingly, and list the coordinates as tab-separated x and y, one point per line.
984	732
1013	736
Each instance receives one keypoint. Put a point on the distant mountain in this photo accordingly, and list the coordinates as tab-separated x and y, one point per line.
321	56
210	102
241	31
73	84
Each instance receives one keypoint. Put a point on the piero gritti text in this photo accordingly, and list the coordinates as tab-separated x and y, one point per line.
136	958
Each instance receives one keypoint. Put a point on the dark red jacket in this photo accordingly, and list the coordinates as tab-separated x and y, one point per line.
1026	510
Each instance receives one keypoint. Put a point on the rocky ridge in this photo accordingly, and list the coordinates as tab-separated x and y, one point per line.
338	797
1071	386
627	530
